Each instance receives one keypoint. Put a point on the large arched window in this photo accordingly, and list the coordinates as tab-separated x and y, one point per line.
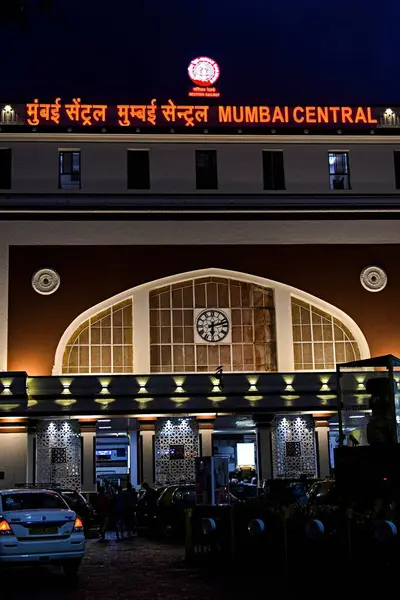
174	310
103	343
154	328
320	340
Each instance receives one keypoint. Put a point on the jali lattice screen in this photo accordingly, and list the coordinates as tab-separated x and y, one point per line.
176	447
293	446
58	454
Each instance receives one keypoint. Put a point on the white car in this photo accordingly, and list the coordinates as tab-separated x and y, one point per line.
37	526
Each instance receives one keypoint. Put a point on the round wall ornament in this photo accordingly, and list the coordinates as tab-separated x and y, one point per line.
373	279
46	281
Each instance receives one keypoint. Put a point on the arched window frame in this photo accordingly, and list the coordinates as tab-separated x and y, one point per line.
141	317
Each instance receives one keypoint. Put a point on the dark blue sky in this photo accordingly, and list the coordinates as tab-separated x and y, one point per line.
269	52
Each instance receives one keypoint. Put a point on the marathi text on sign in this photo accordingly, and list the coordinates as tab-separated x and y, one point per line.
169	114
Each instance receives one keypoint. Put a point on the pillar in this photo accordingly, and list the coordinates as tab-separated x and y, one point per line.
89	482
31	455
283	320
58	453
206	430
147	453
13	442
264	452
133	458
3	300
293	446
141	331
322	435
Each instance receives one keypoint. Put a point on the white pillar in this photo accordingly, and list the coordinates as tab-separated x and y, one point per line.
284	331
147	457
141	332
3	304
322	432
206	442
264	452
89	461
133	459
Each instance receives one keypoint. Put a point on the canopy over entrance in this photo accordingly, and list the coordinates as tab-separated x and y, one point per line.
385	393
387	361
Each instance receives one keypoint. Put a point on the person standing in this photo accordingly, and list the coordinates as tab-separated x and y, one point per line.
103	510
130	507
119	513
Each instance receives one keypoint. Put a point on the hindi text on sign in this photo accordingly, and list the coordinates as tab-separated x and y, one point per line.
170	113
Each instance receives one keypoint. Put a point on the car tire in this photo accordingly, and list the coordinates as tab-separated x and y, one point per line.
71	569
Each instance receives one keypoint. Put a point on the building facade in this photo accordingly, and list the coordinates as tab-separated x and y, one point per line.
172	289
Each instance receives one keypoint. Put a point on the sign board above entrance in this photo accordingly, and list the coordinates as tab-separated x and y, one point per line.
196	115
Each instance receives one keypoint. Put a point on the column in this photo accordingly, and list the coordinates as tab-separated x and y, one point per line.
58	453
322	433
3	299
141	332
147	453
31	455
88	435
133	459
13	442
206	429
284	337
293	446
264	452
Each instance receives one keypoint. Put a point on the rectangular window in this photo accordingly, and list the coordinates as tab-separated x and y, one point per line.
397	168
206	170
339	172
5	168
138	170
273	170
69	170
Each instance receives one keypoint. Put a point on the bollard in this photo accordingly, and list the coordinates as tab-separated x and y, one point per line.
385	531
256	527
208	526
314	530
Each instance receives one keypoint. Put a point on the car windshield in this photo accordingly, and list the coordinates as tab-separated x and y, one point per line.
32	501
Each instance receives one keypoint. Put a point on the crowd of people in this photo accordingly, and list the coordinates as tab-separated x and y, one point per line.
117	511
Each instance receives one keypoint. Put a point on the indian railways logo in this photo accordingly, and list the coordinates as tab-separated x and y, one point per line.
204	71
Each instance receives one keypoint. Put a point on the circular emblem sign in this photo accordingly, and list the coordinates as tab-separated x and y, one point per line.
203	71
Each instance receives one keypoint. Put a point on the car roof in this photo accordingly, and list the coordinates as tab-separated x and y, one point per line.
27	491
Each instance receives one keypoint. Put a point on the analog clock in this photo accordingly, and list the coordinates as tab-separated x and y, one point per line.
212	325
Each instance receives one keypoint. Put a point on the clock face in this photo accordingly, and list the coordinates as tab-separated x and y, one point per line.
212	325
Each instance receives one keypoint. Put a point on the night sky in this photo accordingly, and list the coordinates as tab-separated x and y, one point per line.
284	52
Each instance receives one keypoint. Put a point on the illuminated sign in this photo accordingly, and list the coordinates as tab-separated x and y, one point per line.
197	114
204	73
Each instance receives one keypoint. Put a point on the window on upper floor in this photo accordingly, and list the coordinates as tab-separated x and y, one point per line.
138	170
5	168
206	170
339	171
69	170
273	170
396	155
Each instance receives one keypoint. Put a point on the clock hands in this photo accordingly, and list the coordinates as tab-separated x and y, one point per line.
212	325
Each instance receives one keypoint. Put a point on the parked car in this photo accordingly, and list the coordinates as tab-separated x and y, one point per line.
323	492
146	507
81	506
38	527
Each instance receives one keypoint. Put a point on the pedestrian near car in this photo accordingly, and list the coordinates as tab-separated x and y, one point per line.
130	507
103	510
118	509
